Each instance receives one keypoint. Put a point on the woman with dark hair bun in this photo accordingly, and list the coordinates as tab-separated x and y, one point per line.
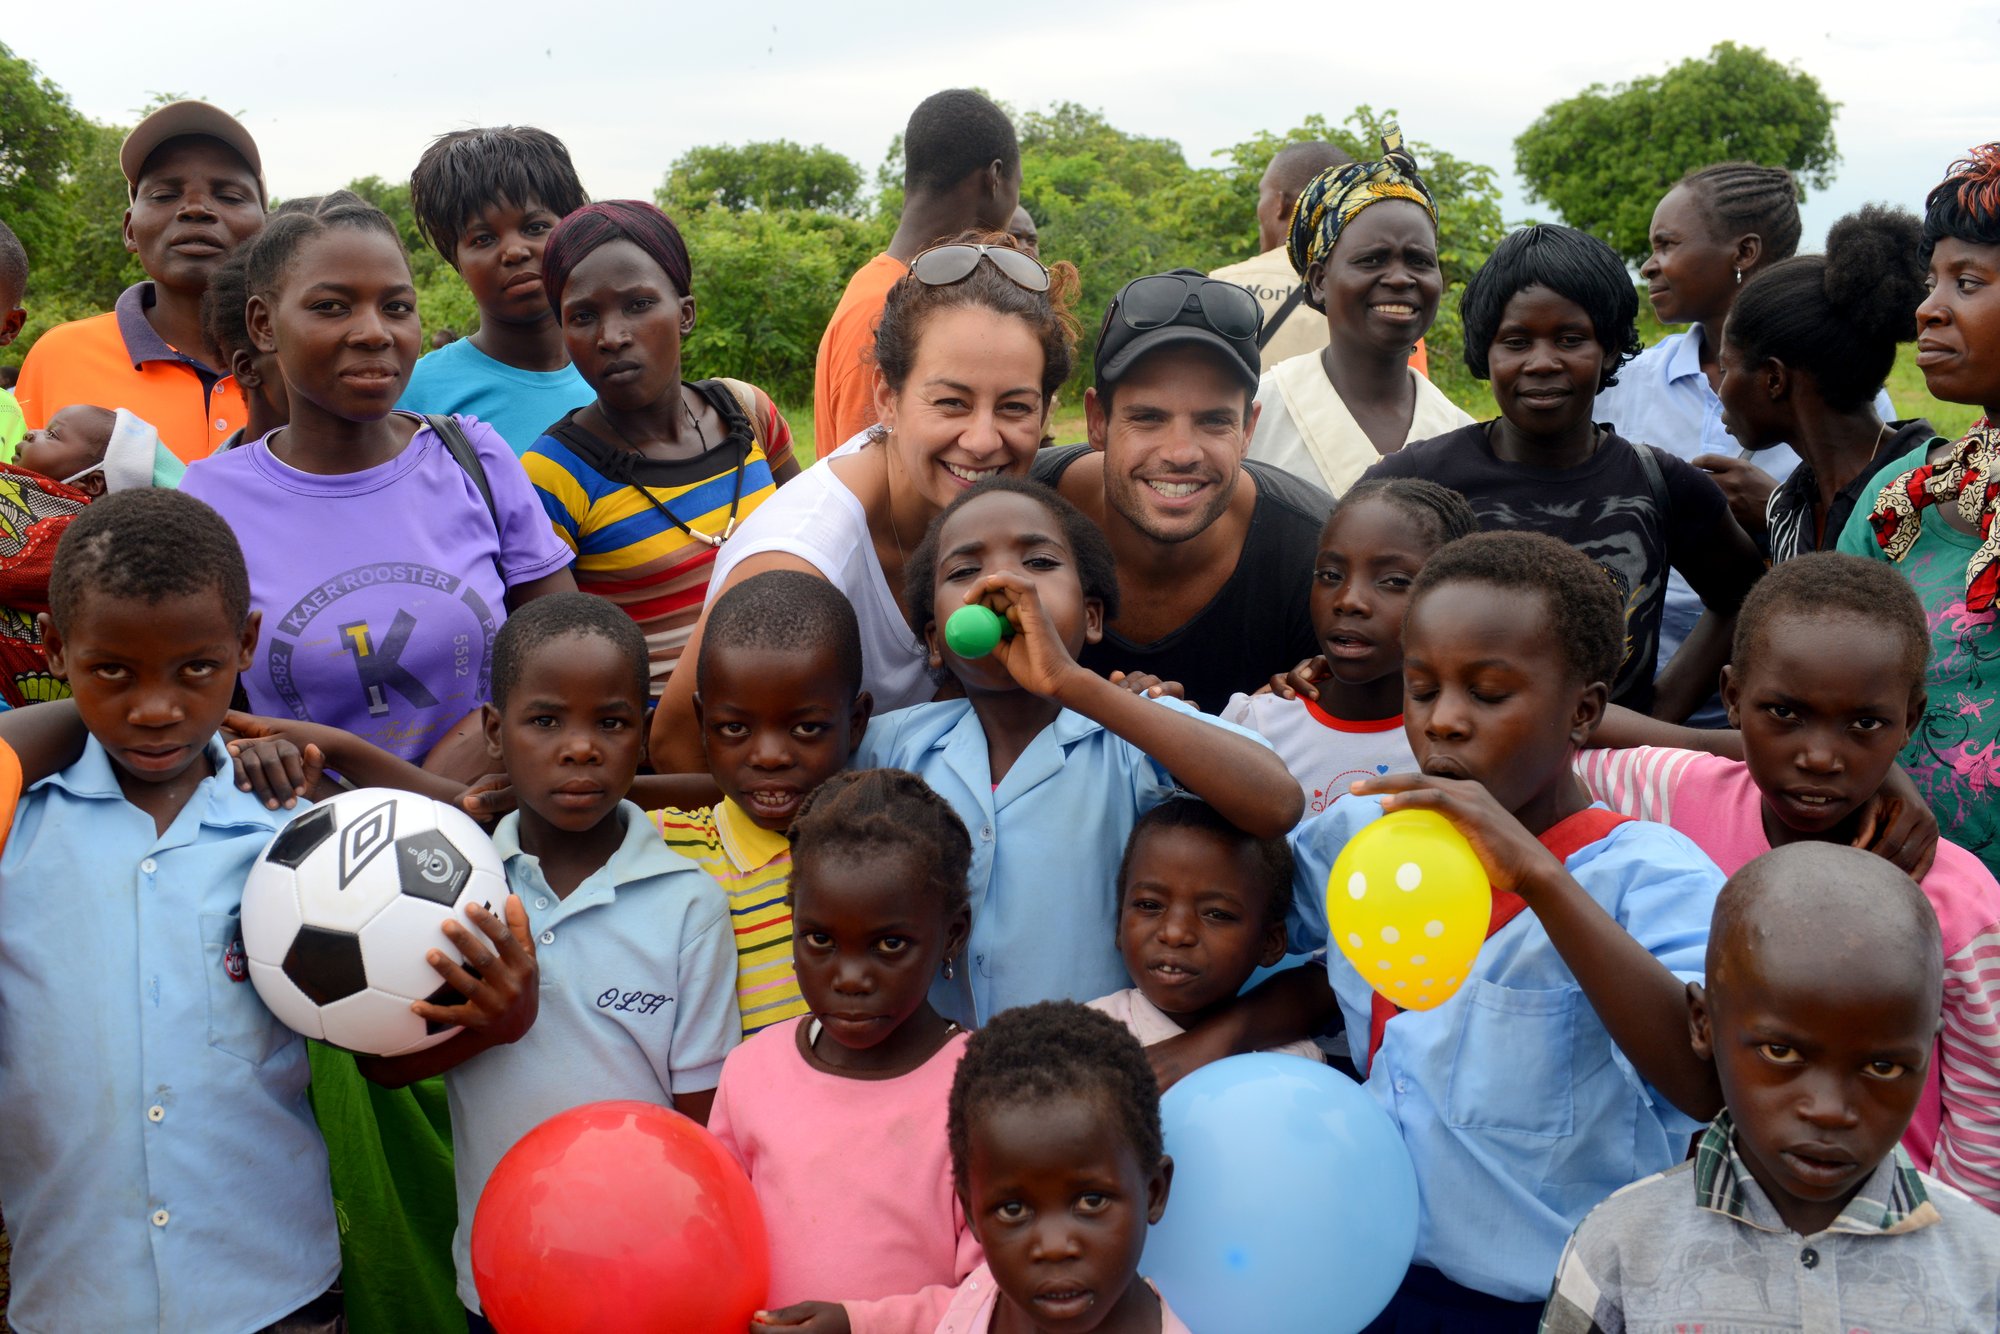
1804	355
646	483
973	343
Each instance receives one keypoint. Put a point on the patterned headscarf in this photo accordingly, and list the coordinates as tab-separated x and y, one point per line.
1332	198
1968	477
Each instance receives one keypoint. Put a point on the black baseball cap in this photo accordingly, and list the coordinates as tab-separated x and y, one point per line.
1179	306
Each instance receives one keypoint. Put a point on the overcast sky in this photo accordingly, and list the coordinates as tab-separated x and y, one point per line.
358	88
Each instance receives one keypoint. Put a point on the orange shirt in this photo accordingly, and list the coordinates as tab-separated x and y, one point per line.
118	360
844	373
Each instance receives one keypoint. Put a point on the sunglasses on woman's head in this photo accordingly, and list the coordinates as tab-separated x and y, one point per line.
943	265
1157	301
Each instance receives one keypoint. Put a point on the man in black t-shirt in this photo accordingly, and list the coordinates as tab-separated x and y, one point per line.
1215	554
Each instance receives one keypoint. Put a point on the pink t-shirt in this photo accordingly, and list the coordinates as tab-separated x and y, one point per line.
854	1175
1955	1135
971	1309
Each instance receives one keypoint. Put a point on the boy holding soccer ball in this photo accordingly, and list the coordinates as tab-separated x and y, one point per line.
160	1165
618	976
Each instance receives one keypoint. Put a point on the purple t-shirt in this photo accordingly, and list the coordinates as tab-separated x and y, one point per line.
381	590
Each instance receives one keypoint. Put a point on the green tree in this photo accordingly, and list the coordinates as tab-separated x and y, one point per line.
39	130
1603	158
778	174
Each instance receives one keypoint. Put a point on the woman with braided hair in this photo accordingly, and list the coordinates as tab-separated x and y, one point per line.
1935	516
1364	241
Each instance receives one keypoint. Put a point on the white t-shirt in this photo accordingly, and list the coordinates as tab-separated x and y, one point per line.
1149	1023
1323	752
1307	430
817	519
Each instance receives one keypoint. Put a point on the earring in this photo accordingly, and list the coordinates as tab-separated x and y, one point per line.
948	973
1739	277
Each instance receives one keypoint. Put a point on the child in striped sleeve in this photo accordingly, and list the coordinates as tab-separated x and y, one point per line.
778	697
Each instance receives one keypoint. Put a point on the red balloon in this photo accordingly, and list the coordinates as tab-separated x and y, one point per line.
616	1217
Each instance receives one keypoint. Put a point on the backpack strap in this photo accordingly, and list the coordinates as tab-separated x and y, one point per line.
745	395
1656	481
460	447
1281	314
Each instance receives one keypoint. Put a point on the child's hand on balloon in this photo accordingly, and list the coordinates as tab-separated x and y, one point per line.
1034	655
1514	858
498	979
804	1318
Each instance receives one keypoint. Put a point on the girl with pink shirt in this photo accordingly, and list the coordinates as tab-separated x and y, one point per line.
1825	684
838	1116
1057	1155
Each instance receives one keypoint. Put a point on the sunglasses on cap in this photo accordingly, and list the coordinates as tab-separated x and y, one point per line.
1157	301
943	265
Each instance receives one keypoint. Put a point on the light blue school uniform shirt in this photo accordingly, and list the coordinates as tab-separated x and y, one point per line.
1662	398
160	1167
638	1001
519	404
1045	847
1519	1111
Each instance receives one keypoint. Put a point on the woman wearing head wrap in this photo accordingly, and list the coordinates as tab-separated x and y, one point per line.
1364	241
1935	518
645	483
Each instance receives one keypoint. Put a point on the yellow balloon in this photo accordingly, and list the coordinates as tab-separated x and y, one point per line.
1408	904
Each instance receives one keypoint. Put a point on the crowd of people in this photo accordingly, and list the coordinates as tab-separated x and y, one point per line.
1690	643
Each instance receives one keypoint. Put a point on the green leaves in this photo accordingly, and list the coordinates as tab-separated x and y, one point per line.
1603	158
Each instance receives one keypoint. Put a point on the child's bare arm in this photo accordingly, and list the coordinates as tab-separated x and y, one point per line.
1624	728
695	1106
1285	1007
1642	1005
684	792
501	990
1246	782
356	760
45	738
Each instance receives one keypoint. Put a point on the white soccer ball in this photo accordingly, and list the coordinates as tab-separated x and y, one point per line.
343	905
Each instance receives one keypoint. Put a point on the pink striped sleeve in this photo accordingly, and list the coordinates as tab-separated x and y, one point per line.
1968	1143
1638	781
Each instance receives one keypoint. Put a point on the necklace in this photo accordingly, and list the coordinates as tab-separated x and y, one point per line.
711	540
889	489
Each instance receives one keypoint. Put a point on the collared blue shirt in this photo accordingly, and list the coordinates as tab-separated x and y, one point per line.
638	1001
158	1162
1662	398
1045	847
1519	1111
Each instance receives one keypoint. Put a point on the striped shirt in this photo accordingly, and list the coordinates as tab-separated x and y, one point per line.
626	549
754	867
1955	1134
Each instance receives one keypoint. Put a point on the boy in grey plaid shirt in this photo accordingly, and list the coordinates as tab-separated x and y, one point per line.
1799	1211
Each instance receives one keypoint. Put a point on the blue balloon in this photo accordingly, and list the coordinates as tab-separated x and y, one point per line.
1294	1203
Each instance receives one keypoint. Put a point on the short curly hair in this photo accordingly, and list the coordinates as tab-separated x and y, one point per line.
1050	1050
1274	856
1586	614
1096	569
891	811
784	611
1825	584
559	616
147	546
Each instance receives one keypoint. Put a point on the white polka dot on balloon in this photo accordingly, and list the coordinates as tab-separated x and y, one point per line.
1408	876
1382	964
1390	935
1433	929
1354	940
1357	886
1416	961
